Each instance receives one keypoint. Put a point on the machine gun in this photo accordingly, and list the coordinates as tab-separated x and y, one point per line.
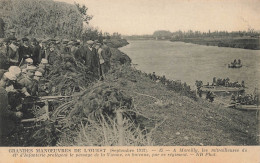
42	112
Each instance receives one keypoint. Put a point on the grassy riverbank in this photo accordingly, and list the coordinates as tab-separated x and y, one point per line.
237	42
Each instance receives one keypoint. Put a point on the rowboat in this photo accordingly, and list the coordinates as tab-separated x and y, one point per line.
234	65
221	89
245	107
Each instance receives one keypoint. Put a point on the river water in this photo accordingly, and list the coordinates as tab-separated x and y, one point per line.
190	62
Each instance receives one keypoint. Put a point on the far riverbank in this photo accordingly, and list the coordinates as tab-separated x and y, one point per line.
252	43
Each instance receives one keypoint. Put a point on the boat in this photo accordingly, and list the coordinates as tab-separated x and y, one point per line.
234	65
221	89
244	107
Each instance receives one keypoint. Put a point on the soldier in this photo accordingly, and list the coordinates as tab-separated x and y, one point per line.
52	54
64	48
89	53
239	61
25	50
163	79
154	77
35	83
210	96
3	54
233	99
15	70
43	66
214	81
97	61
243	84
43	50
2	31
7	116
106	54
27	81
13	52
12	33
35	51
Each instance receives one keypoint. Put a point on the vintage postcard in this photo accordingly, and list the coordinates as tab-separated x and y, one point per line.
129	80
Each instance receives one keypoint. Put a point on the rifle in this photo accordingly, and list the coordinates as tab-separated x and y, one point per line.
46	100
35	99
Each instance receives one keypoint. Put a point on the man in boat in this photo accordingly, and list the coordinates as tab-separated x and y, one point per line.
239	61
214	83
227	82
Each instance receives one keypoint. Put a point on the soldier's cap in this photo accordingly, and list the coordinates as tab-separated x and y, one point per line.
77	43
12	38
29	60
25	39
14	70
6	40
12	31
44	40
41	70
30	68
10	76
34	40
53	39
65	40
90	42
38	73
44	61
71	43
57	42
78	40
105	41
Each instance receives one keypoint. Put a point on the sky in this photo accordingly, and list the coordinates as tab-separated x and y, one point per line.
138	17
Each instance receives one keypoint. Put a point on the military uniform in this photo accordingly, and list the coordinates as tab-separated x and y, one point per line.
24	52
2	24
7	123
106	54
35	54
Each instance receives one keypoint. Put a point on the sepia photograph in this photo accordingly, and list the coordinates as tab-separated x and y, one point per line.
103	73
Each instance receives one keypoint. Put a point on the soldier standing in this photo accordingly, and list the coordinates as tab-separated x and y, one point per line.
2	31
25	50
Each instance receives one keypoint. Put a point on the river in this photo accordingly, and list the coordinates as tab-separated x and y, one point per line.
190	62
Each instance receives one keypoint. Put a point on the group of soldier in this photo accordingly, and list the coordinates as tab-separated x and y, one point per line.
247	99
26	63
177	85
226	83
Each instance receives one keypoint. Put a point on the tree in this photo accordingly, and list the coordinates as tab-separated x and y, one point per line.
83	11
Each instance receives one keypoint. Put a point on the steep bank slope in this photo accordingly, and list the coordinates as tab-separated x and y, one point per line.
187	122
